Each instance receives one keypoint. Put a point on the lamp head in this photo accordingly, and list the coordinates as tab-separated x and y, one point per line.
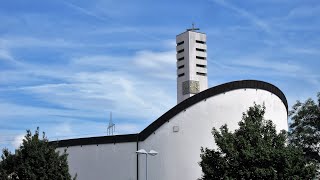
141	151
153	153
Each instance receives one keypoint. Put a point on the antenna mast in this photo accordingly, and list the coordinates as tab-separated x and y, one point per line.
111	127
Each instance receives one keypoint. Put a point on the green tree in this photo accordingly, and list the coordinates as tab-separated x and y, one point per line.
36	159
305	128
254	151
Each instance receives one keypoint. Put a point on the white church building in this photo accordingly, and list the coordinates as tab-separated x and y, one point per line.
179	133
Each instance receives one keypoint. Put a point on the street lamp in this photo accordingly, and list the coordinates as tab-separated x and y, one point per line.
151	153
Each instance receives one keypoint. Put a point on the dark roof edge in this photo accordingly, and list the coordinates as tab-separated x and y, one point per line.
223	88
96	140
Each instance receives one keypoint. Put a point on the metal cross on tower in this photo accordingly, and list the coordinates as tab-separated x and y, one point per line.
193	28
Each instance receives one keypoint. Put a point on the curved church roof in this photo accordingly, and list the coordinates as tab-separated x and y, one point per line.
223	88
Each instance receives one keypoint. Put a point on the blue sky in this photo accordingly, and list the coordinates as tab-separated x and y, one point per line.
65	64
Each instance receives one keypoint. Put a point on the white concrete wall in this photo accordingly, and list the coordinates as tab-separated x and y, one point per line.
179	153
190	70
103	162
203	80
182	37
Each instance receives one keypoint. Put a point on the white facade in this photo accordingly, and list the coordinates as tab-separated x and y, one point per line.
191	64
199	109
179	152
103	161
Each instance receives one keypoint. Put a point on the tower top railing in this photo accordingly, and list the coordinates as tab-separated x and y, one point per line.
193	28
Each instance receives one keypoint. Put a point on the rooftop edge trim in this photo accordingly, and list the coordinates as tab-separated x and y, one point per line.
223	88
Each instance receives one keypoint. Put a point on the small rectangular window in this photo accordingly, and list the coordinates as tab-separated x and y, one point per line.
200	42
200	57
200	65
179	43
180	59
180	67
201	74
180	51
201	50
180	75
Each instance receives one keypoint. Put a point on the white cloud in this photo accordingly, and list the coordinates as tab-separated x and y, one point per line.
149	63
279	66
91	93
86	92
155	60
127	128
8	43
27	42
17	141
157	64
102	61
260	67
5	55
302	50
62	129
11	110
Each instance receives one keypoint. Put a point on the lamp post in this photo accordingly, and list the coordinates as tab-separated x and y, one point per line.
151	153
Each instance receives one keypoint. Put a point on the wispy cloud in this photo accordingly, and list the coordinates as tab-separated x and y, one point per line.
28	42
65	65
160	64
255	20
304	12
279	66
82	87
5	55
85	11
302	50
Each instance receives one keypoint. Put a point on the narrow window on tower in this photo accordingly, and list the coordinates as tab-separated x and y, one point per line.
180	75
200	42
201	50
180	51
200	57
180	59
201	74
179	43
180	67
200	65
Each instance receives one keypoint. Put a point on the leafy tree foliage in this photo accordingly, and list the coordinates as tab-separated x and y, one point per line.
305	128
35	159
254	151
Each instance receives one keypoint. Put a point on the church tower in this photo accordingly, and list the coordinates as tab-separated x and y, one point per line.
191	63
